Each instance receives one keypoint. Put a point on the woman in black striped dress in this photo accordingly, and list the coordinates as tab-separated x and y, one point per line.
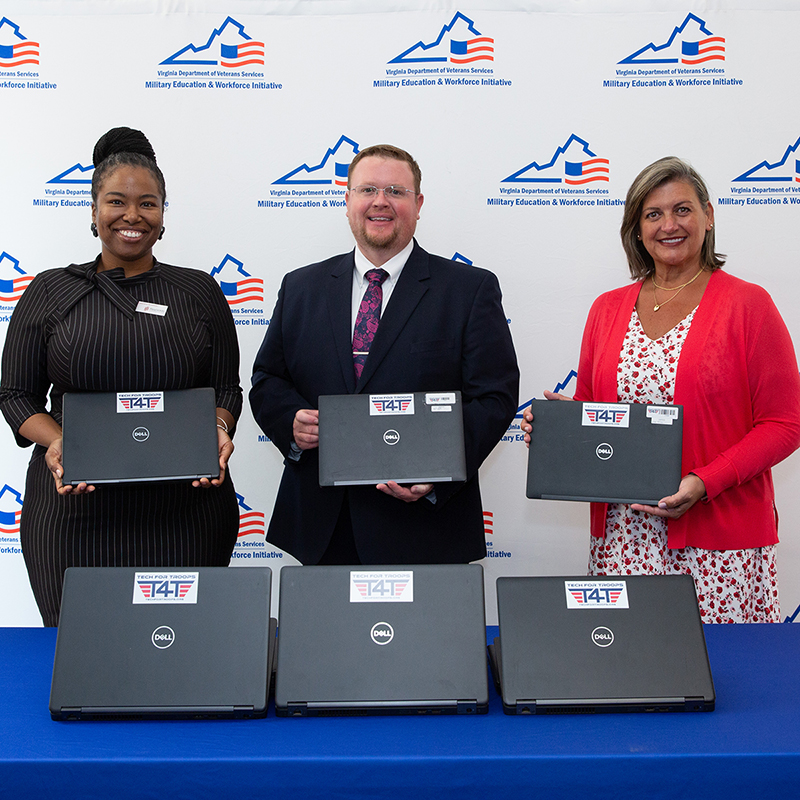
82	328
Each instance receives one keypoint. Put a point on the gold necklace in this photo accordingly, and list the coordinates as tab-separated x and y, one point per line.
676	289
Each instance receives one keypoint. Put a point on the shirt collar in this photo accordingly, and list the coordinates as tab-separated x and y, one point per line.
394	266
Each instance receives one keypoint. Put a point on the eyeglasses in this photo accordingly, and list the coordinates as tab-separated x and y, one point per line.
389	192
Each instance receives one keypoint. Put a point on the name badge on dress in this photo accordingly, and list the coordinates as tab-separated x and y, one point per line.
151	308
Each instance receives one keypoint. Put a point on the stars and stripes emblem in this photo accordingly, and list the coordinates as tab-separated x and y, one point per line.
252	522
710	49
11	289
481	48
235	56
249	290
593	169
17	55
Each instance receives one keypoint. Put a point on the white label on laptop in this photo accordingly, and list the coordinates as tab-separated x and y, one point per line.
441	408
138	402
596	594
151	308
385	405
606	415
377	586
165	587
660	415
443	399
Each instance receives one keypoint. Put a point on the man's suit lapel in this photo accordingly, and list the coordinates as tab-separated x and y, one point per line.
339	294
410	289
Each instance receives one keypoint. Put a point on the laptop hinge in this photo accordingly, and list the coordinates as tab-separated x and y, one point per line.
466	706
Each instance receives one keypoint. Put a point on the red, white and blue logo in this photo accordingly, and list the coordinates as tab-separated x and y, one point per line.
13	280
139	402
165	587
15	49
596	594
10	511
572	164
330	171
782	172
606	415
458	42
391	404
382	587
690	44
227	46
241	286
251	522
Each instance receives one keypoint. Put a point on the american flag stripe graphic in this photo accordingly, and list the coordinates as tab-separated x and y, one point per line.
479	49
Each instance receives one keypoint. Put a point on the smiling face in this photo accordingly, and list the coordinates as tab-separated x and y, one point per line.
129	213
673	226
381	227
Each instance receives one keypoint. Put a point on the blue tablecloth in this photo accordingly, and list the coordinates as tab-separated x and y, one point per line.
749	747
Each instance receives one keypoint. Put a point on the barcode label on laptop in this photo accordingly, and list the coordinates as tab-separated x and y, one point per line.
660	415
384	405
596	594
445	399
165	587
606	415
382	587
138	402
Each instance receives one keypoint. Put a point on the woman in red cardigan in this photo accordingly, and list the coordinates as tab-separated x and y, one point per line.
688	333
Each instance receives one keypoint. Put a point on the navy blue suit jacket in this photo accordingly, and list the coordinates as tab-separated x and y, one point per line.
443	329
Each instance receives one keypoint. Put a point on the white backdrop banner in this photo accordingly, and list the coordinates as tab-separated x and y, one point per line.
528	122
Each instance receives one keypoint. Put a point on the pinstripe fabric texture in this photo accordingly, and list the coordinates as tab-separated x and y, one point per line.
78	330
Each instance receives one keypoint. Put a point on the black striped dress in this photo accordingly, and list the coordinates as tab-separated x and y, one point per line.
78	330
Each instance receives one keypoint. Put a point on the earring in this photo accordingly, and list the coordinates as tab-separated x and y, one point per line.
94	230
161	235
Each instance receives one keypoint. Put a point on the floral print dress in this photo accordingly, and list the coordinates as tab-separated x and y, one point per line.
732	585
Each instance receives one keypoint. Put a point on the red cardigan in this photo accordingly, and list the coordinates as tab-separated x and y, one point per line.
739	386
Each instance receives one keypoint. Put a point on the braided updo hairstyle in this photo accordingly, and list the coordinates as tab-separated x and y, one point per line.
124	147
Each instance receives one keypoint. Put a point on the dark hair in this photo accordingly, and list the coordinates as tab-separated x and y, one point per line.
665	170
388	151
124	147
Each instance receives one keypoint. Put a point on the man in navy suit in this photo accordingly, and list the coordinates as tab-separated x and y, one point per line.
441	328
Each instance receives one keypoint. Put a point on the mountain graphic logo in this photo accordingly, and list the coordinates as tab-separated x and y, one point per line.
15	49
573	164
690	44
458	42
10	510
238	285
330	171
13	280
784	170
227	46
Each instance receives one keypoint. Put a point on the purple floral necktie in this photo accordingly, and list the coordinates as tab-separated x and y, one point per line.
367	319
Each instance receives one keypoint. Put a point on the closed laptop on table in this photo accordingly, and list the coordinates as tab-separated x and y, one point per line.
119	437
604	452
408	438
381	640
589	644
163	643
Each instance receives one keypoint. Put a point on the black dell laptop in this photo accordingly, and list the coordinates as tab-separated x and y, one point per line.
409	438
590	644
193	643
121	437
604	452
381	640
